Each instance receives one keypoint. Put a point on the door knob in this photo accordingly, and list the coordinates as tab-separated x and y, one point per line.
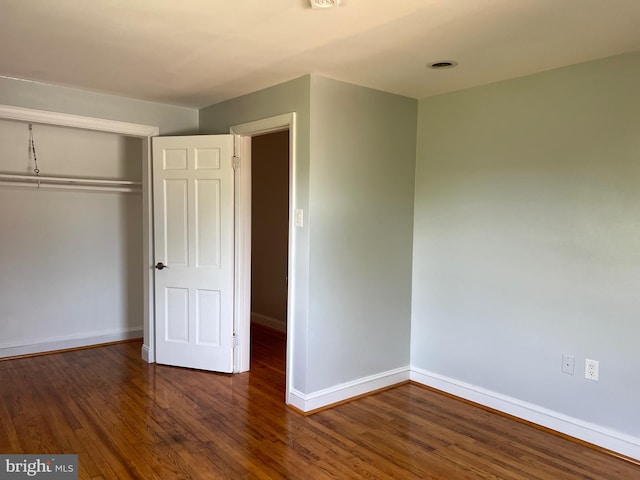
161	266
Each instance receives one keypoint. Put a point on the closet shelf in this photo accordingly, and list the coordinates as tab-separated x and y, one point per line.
70	183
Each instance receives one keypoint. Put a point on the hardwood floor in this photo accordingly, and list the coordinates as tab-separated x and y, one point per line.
129	420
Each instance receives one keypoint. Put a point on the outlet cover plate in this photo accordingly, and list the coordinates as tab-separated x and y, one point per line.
591	369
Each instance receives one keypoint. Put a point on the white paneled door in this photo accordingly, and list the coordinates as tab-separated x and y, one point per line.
193	234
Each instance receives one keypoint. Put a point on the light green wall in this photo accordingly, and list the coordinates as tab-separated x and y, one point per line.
527	232
292	96
354	180
171	119
361	222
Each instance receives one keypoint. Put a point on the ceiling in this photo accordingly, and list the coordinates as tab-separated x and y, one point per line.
200	52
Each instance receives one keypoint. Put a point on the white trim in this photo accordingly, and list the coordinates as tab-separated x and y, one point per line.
297	399
77	121
148	255
68	341
242	321
574	427
275	323
265	125
607	438
345	391
146	354
242	235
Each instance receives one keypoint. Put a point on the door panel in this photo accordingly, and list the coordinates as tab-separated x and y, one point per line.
176	215
177	309
208	223
193	215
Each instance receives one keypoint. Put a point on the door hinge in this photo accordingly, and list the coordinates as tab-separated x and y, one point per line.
235	162
235	340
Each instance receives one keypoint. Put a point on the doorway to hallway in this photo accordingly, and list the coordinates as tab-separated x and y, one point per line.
269	239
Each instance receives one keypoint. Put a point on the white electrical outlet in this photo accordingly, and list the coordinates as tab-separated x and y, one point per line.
591	369
568	364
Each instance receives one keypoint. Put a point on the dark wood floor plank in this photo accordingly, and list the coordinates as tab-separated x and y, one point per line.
130	420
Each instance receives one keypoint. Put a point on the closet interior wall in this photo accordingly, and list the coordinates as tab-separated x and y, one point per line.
70	260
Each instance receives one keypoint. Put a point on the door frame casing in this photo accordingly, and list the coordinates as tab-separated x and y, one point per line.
242	317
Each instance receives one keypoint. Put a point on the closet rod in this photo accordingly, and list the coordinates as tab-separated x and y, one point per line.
70	183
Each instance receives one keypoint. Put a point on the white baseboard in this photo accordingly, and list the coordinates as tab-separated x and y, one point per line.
307	402
595	434
146	354
274	323
62	343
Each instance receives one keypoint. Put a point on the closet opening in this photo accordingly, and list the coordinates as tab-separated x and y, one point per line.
72	244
